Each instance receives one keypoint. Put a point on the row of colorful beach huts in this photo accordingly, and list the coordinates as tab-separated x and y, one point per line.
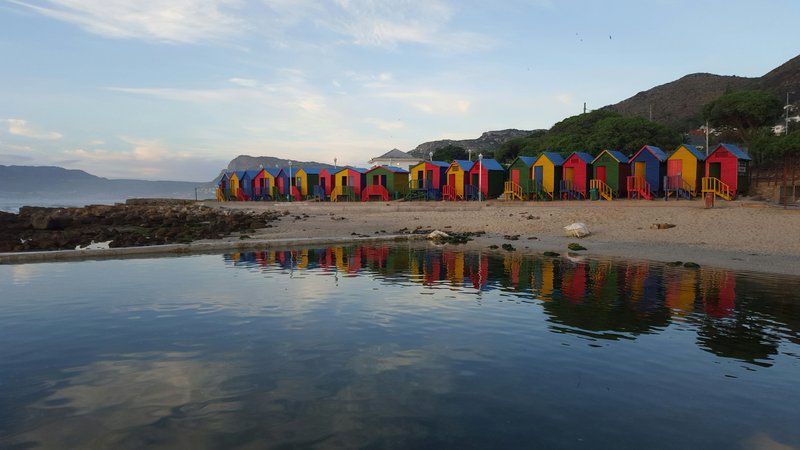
649	173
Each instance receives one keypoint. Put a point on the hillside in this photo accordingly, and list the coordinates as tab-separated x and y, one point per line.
487	142
247	162
76	186
679	103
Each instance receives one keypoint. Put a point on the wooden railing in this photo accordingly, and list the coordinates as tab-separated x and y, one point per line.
471	192
343	193
241	196
374	190
449	192
603	189
568	190
717	187
512	190
639	188
221	195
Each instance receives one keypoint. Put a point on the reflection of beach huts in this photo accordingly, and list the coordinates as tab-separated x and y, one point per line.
647	173
304	180
610	170
575	175
457	176
546	175
385	183
427	179
348	185
727	172
488	176
685	168
519	184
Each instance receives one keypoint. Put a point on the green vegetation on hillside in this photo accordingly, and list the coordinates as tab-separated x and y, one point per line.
744	113
592	132
449	153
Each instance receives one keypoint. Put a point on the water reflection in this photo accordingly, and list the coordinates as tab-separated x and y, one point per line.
733	316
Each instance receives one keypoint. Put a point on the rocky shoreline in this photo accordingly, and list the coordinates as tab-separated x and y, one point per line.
137	222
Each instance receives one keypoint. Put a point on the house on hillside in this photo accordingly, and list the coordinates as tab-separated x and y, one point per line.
396	158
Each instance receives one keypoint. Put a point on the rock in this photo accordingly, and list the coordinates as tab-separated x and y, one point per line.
575	247
577	229
675	263
508	247
661	226
511	237
551	254
493	247
691	265
438	234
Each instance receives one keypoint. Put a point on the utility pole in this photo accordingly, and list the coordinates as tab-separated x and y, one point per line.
706	138
584	107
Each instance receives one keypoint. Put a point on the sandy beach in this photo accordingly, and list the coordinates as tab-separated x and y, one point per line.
741	235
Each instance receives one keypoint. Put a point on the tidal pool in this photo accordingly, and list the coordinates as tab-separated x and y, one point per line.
396	346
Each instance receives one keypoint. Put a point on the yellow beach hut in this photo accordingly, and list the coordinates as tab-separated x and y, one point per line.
306	179
456	180
546	174
685	169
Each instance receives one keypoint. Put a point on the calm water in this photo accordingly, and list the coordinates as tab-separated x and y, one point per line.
395	347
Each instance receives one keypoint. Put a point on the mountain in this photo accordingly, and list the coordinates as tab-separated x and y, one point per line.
247	162
56	185
487	142
680	103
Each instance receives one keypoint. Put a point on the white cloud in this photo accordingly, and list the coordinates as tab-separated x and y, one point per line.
431	101
244	82
179	21
21	127
386	125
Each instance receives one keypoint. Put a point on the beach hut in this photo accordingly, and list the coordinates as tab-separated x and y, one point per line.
305	179
427	179
519	181
348	184
546	175
685	169
326	183
648	167
240	184
727	171
385	183
233	180
488	176
575	175
610	169
264	184
457	176
223	187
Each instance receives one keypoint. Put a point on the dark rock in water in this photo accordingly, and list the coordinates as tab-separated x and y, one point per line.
691	265
575	247
551	254
493	247
508	247
675	263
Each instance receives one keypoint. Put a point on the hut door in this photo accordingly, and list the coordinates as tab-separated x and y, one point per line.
344	180
639	169
675	167
715	170
452	181
601	173
322	182
475	180
515	176
429	179
383	180
569	173
538	173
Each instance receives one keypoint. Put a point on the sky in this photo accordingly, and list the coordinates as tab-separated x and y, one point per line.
158	89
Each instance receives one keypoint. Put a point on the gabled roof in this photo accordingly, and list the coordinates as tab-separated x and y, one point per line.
587	158
355	169
395	154
274	171
614	154
240	174
434	163
528	160
463	164
657	152
389	168
253	173
554	158
225	174
735	150
691	149
310	170
490	164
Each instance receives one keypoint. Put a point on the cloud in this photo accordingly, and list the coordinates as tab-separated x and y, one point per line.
245	82
385	125
21	127
431	101
176	21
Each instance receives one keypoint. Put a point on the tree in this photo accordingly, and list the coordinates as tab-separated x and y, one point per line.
743	111
449	153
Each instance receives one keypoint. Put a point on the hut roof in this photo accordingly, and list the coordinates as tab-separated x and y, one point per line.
274	171
736	151
390	169
657	152
354	169
464	164
587	158
528	160
240	174
311	170
693	150
554	158
439	163
253	173
491	164
621	158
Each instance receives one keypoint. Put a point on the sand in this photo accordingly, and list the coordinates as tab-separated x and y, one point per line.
741	235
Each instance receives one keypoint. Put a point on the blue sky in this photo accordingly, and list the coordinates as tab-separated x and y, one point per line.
173	90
